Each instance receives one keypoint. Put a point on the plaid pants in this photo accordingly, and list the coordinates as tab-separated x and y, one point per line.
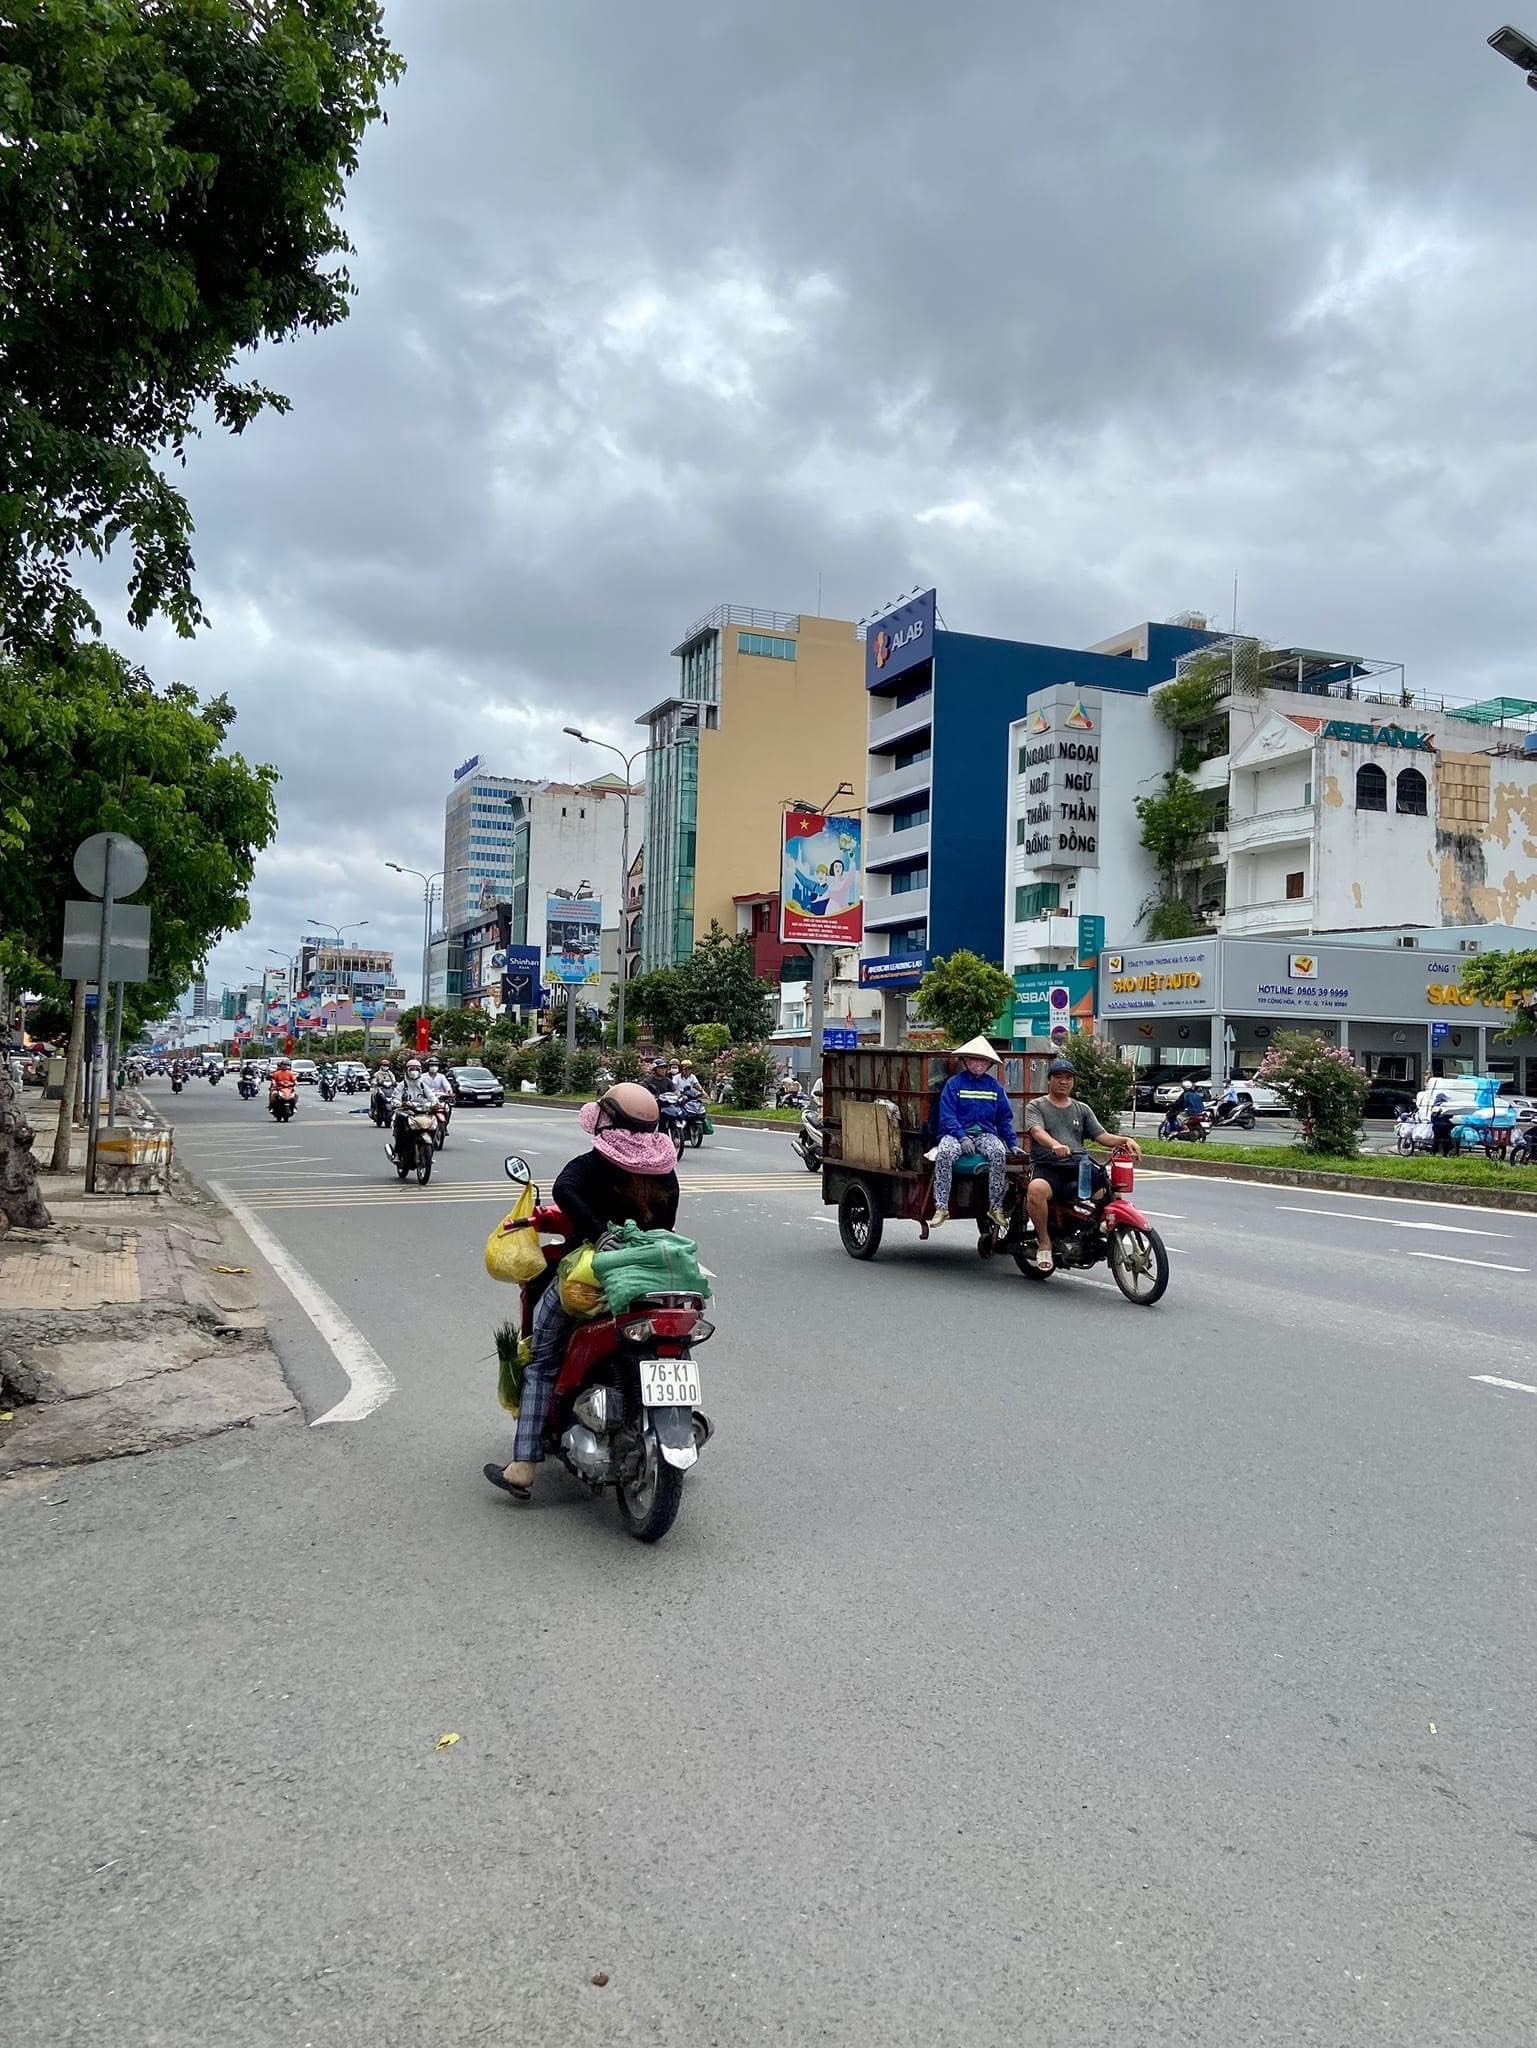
552	1326
996	1154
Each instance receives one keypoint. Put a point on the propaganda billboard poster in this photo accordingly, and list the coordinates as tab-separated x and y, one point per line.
573	940
821	880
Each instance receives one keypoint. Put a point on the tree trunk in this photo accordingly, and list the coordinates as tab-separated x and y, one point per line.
60	1160
21	1203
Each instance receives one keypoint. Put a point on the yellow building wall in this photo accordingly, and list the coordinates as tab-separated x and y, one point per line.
787	729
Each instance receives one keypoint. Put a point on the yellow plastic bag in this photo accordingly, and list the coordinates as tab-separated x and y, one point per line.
581	1294
513	1250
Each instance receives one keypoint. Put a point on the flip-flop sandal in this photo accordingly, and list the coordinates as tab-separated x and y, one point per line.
498	1478
1044	1265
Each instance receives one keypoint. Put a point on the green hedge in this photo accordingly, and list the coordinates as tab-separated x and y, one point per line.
1472	1173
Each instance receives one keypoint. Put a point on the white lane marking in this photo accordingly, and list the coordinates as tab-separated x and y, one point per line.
370	1382
1398	1201
1393	1222
1487	1379
1488	1265
1164	1215
251	1165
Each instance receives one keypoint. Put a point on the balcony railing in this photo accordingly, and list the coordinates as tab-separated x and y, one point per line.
1270	828
897	782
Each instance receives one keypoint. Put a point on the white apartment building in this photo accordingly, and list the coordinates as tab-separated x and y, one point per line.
566	834
1338	803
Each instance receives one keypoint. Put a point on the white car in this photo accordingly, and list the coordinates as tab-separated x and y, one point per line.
305	1070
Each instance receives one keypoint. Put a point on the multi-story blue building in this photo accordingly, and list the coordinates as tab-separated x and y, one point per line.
937	793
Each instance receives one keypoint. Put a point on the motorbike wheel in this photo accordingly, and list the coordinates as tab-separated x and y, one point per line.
1406	1145
439	1139
423	1165
697	1140
1140	1265
1245	1119
649	1503
1024	1258
808	1158
678	1140
860	1221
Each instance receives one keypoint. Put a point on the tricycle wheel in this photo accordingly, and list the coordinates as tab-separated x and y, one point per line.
859	1221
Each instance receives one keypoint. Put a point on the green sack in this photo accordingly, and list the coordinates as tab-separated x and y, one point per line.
649	1262
709	1128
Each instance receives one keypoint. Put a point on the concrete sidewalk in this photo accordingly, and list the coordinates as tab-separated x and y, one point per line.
131	1324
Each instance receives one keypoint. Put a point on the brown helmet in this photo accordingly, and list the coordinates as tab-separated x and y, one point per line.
629	1106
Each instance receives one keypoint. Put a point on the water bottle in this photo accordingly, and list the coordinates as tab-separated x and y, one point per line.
1085	1177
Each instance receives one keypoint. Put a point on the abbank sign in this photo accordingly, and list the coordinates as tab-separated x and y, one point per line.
899	641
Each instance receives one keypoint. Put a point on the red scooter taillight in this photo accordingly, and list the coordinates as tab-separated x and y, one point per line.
1122	1179
660	1322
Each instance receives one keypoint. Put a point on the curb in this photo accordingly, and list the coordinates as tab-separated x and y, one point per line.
744	1122
1523	1200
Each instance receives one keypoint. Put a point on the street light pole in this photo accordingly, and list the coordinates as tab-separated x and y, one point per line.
356	926
629	761
426	881
1517	48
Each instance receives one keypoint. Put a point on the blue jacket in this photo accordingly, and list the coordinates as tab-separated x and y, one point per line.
969	1099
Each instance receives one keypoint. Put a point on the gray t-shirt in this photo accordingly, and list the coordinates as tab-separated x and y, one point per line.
1070	1123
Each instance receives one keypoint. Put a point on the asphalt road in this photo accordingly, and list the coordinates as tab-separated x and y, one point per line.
1024	1667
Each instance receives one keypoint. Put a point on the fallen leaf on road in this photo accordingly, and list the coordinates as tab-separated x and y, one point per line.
230	1269
601	1979
1431	1726
445	1742
7	1415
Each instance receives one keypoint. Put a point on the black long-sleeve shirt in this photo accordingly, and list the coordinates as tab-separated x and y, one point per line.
595	1195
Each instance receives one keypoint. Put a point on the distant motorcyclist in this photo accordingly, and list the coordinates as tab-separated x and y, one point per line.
412	1096
439	1081
1192	1103
689	1089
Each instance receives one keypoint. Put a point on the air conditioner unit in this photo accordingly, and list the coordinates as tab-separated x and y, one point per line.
1405	940
1470	945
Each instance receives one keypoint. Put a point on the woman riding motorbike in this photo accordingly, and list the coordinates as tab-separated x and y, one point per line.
628	1177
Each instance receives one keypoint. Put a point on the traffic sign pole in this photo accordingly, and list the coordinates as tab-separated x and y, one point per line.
103	994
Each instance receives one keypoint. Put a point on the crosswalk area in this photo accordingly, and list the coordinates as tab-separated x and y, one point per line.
350	1192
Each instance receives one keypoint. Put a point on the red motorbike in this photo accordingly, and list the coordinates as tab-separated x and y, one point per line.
626	1407
1109	1228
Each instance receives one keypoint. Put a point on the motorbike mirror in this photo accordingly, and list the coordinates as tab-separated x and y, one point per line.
517	1169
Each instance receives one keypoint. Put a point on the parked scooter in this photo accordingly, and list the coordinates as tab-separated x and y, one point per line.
807	1142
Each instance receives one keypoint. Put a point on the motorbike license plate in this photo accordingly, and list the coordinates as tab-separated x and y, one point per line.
669	1383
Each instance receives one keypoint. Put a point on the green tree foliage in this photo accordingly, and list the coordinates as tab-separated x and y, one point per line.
1506	978
170	176
1104	1078
753	1072
709	1039
550	1067
1322	1087
89	744
964	995
1169	917
582	1072
661	997
717	984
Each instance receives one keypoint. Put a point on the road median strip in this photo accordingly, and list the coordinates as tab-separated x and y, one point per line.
1477	1183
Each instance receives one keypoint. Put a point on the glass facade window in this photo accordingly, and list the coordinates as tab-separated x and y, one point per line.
768	645
915	814
904	880
908	938
910	696
909	757
1371	788
1034	899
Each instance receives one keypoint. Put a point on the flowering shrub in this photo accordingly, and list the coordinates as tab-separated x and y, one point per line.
1322	1087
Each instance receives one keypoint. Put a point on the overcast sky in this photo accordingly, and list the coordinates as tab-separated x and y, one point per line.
1075	311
